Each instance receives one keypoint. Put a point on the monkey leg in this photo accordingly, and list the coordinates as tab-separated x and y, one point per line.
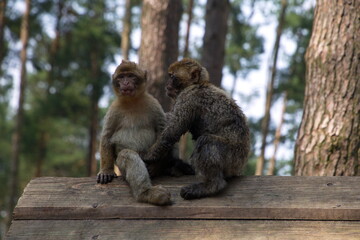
134	170
208	159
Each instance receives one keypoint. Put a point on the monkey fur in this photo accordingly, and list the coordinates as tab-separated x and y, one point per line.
132	124
216	123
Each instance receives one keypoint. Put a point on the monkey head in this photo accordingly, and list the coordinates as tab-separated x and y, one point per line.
128	79
185	73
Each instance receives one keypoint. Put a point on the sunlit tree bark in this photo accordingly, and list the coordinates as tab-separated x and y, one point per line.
328	141
159	43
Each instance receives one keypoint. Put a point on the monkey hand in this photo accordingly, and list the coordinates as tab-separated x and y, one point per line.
105	176
150	157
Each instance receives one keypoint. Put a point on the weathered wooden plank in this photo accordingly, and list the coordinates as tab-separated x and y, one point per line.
178	229
266	197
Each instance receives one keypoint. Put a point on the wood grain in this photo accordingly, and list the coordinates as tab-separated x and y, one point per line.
255	197
178	229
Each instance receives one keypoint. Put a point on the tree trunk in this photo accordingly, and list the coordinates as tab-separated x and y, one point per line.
159	43
2	27
328	140
272	161
270	91
188	25
233	88
216	19
184	138
91	165
16	139
125	35
94	112
43	143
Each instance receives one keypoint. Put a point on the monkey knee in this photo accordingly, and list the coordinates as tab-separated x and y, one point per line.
128	158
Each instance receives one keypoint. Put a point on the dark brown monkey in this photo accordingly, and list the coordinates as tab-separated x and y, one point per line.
131	126
216	123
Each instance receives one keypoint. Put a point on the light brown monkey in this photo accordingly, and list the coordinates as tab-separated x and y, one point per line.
132	124
216	123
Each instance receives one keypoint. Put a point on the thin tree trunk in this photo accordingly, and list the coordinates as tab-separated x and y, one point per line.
328	141
126	32
216	19
2	27
270	90
94	112
232	92
188	25
272	161
159	43
16	139
184	138
44	138
92	166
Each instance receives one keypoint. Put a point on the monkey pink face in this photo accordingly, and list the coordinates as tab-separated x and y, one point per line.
126	84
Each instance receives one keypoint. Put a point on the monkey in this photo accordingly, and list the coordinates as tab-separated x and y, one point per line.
132	124
218	126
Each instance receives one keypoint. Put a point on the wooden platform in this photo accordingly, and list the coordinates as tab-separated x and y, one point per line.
250	208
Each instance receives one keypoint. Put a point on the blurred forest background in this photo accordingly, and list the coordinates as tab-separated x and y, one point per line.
57	57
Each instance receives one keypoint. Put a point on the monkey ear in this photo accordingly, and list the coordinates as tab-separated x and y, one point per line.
145	75
195	75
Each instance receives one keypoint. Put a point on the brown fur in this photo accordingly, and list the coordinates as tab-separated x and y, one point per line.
217	124
132	124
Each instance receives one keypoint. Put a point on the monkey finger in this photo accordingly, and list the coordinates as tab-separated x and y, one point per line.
110	177
103	179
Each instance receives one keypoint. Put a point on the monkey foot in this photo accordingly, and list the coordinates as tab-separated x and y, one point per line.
156	195
193	191
199	190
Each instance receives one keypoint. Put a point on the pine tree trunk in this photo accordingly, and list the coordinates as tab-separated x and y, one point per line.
42	145
328	140
188	25
233	88
216	20
91	164
184	138
16	139
2	27
125	35
94	112
270	91
159	43
272	162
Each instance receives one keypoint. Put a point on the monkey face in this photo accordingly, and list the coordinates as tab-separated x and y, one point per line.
126	84
184	73
173	86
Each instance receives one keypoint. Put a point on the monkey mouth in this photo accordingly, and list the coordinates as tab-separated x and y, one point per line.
127	92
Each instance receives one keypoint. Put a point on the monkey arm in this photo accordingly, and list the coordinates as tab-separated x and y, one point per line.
178	123
107	151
